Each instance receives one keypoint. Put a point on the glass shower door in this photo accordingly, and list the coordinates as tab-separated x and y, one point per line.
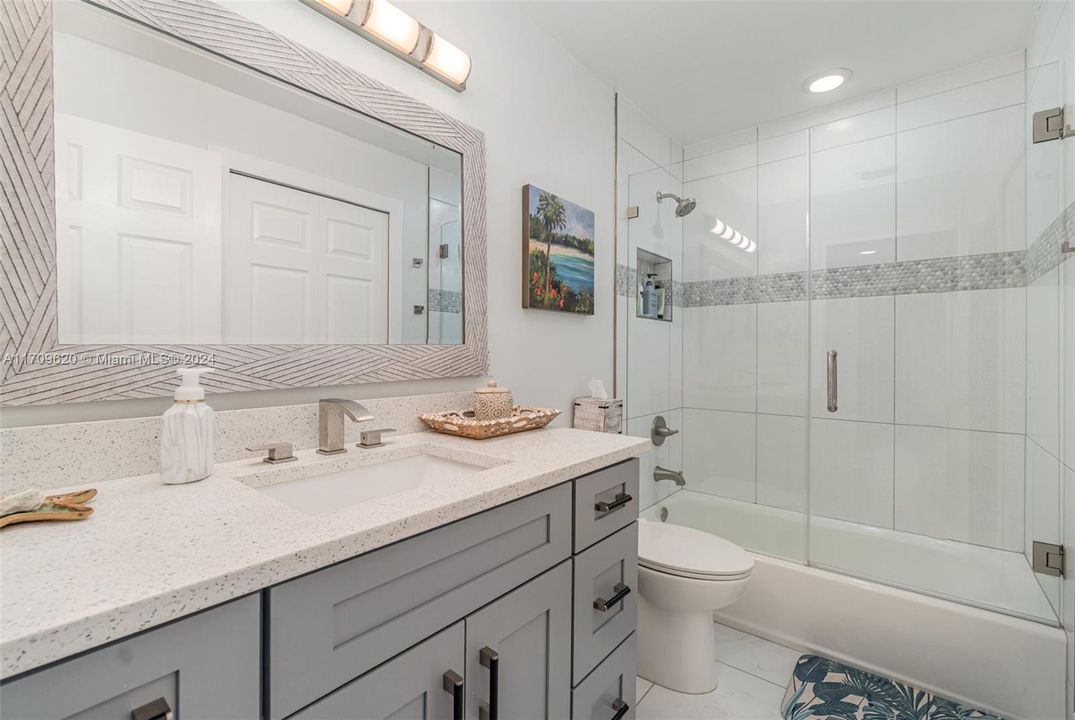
933	350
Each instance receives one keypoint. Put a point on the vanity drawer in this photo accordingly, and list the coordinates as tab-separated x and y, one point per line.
603	572
602	695
329	627
204	667
610	489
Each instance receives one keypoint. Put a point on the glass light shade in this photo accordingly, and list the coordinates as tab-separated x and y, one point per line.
447	60
340	7
390	24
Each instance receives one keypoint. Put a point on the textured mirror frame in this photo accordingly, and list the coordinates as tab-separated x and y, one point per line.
37	370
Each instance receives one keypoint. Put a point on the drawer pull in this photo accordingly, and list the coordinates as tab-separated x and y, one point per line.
607	507
490	659
158	709
621	709
453	683
603	605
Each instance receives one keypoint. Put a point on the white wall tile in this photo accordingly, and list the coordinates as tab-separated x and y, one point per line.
861	331
783	207
851	471
719	357
733	198
718	163
967	75
782	462
653	229
782	357
856	128
988	95
960	485
961	187
720	143
718	453
1044	509
668	455
1067	379
853	204
846	108
1044	161
1046	39
1043	361
784	146
961	359
648	366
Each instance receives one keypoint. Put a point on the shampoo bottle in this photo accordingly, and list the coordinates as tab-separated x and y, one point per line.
187	432
649	298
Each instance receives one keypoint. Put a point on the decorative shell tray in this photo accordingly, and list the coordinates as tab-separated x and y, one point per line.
464	424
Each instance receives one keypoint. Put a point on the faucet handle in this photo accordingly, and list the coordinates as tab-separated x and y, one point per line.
280	452
372	438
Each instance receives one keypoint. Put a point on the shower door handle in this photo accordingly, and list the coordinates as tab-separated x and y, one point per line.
831	375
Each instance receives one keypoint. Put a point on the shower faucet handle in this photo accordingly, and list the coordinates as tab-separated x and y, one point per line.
659	430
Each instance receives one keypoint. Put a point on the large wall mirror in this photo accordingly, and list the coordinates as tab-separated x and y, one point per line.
218	188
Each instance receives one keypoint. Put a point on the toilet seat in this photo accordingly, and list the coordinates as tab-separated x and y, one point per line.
689	553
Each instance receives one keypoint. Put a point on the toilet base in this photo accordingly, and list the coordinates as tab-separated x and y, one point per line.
675	648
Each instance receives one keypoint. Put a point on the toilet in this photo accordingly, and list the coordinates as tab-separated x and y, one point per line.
683	576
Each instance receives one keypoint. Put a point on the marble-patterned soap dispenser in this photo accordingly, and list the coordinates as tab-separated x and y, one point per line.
187	432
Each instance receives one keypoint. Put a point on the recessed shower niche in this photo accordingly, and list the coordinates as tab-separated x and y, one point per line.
653	294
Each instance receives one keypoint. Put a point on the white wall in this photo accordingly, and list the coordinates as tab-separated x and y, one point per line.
547	120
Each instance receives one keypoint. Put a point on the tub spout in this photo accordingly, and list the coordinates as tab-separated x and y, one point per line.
660	473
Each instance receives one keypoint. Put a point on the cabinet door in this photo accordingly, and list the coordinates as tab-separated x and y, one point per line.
420	684
205	667
518	649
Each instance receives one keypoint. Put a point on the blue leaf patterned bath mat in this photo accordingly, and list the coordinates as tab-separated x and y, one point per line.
823	688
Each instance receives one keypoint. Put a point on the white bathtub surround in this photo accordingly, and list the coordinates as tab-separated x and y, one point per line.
50	456
161	552
907	636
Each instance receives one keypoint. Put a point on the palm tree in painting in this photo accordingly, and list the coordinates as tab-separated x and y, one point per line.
553	217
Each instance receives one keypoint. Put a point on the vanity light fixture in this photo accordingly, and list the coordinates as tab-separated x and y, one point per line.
827	81
394	30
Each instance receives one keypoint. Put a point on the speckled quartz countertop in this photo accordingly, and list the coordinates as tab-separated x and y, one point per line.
152	553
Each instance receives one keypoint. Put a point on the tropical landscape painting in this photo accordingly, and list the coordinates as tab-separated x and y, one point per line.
558	253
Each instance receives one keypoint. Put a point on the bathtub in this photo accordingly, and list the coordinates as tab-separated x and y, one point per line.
1012	666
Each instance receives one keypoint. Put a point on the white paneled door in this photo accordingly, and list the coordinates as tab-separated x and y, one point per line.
138	237
303	268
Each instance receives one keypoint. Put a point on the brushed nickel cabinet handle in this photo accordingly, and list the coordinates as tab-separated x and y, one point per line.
490	659
621	591
453	683
619	501
158	709
831	376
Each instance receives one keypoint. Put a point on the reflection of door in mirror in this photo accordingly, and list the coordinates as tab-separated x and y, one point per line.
303	268
138	236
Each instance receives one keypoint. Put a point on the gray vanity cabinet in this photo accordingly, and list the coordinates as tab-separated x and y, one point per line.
518	649
423	683
204	667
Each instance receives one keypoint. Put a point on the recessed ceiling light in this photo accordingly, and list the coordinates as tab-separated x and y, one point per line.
827	81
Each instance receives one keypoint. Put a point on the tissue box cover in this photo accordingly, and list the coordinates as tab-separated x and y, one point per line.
598	414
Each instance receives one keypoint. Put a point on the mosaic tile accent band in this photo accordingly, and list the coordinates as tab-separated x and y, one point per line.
987	271
448	301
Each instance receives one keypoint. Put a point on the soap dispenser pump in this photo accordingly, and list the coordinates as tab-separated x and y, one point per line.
187	432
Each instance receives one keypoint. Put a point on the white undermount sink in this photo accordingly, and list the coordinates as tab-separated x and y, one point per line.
328	492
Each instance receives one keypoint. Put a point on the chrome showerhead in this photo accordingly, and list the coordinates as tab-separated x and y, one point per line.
683	205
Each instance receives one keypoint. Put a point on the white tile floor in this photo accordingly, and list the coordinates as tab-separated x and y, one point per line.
752	674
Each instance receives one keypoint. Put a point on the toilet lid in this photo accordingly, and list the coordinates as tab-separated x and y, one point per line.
681	550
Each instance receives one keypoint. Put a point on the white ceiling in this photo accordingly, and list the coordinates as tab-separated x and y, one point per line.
704	68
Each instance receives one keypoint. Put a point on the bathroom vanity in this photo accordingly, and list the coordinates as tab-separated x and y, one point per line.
506	592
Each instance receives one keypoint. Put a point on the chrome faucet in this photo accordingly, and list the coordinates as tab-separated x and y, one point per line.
331	416
660	473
